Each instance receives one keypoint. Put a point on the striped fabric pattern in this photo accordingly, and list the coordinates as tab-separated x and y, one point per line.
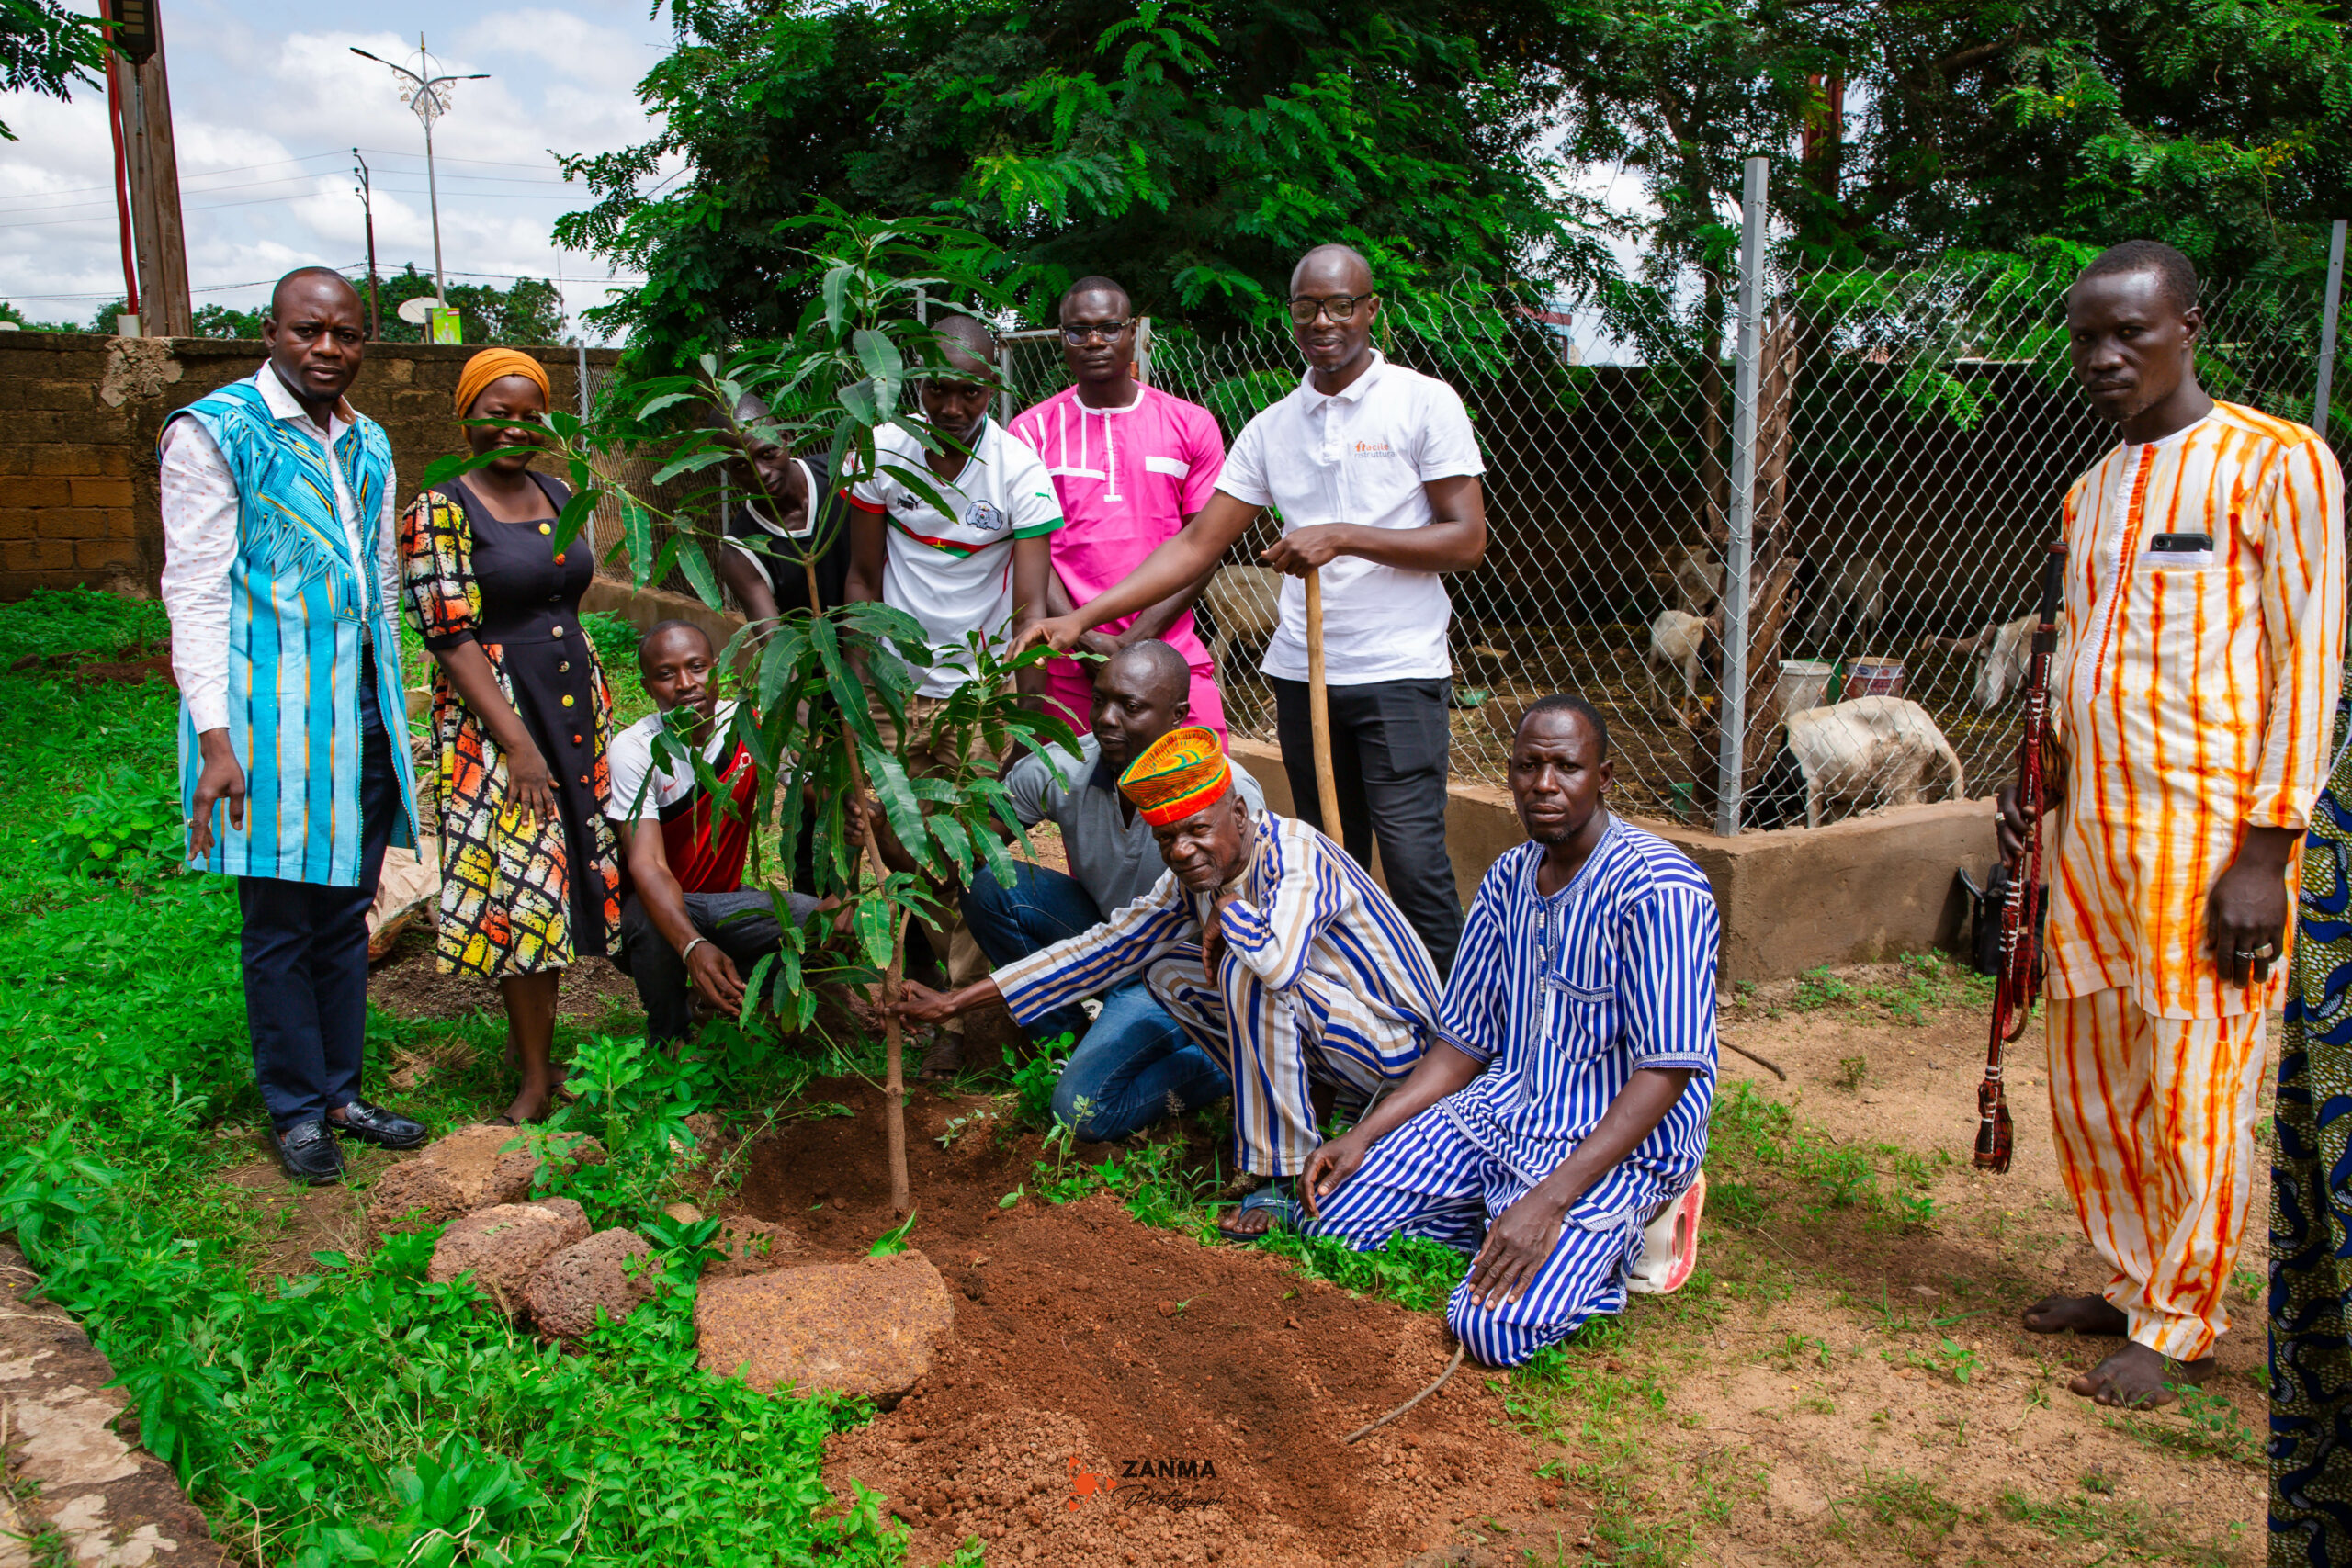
1566	998
1427	1179
2153	1122
301	610
1322	978
2193	692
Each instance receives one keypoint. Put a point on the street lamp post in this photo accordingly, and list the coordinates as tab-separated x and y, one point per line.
429	95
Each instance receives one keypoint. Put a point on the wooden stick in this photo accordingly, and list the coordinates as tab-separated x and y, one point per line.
1765	1062
1318	708
1451	1368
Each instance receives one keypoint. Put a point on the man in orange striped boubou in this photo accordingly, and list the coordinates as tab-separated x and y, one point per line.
2195	678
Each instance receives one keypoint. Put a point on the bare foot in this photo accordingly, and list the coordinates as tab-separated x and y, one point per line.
2136	1378
2077	1314
532	1104
1249	1224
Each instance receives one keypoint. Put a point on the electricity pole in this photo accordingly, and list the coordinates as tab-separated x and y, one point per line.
368	206
429	95
151	168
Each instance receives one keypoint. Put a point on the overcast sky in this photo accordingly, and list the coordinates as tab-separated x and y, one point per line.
268	101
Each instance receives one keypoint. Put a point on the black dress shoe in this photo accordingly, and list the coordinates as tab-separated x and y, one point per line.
374	1124
307	1152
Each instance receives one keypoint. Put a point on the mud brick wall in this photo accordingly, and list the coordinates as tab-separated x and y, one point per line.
80	414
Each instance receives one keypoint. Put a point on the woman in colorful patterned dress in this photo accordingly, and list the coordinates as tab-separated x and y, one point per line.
2311	1212
530	872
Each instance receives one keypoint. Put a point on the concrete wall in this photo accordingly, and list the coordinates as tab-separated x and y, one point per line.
79	413
1865	888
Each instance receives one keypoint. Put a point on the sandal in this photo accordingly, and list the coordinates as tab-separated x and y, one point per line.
1670	1245
1279	1195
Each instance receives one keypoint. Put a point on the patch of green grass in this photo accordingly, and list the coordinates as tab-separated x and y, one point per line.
2126	1526
357	1413
1818	988
1908	1512
1853	1072
2200	1422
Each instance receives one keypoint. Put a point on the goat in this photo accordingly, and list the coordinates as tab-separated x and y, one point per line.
1868	752
1244	605
1691	573
1676	641
1855	594
2005	651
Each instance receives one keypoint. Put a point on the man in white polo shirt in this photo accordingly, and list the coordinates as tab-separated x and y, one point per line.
1374	471
980	567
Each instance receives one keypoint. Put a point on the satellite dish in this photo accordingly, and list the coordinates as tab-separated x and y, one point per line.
417	311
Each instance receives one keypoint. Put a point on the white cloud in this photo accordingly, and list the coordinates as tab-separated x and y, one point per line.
268	101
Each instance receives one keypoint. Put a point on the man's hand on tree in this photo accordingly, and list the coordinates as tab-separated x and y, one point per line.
2246	917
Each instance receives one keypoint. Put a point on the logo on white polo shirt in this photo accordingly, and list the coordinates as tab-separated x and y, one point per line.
985	515
1369	448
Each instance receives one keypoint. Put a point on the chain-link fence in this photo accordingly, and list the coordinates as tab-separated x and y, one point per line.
1915	433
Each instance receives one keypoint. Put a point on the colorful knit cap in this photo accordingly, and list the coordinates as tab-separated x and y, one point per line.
1178	775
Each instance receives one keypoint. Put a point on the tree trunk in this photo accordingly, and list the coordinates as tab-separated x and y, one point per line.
894	1079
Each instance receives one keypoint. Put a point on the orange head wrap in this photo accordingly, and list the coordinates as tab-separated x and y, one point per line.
489	366
1181	773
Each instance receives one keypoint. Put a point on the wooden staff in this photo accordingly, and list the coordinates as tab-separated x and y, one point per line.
1318	707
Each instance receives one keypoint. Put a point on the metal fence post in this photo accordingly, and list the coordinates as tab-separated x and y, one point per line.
1733	708
2329	302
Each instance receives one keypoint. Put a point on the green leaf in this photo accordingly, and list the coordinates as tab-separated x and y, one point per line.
697	565
875	925
894	1240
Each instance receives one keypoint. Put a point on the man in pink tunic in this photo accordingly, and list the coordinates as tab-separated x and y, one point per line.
1131	466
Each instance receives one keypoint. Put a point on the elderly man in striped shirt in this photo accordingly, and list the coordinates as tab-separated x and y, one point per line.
1558	1129
2196	674
1272	948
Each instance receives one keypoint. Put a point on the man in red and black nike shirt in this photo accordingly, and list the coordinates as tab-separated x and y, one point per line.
687	921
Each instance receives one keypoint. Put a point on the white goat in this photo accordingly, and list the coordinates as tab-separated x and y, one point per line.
1693	575
1868	752
1855	593
1676	639
2006	650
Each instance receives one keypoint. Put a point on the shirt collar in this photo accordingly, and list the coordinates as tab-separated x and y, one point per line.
1353	392
1104	776
284	404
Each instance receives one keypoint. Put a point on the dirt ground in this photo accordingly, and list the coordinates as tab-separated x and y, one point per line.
1845	1382
1087	1343
1848	1383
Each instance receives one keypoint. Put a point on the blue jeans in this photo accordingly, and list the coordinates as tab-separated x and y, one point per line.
1134	1055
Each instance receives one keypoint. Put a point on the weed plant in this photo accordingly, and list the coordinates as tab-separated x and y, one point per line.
357	1413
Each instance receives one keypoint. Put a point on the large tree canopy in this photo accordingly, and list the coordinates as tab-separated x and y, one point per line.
1192	148
2223	126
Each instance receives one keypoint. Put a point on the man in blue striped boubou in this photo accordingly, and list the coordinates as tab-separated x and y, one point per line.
1559	1126
1276	952
282	580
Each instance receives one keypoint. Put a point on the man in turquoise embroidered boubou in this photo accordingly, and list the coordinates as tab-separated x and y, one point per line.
282	581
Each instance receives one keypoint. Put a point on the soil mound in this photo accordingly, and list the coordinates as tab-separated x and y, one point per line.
1114	1394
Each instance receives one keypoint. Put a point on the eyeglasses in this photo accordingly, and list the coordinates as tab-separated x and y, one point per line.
1077	333
1304	308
